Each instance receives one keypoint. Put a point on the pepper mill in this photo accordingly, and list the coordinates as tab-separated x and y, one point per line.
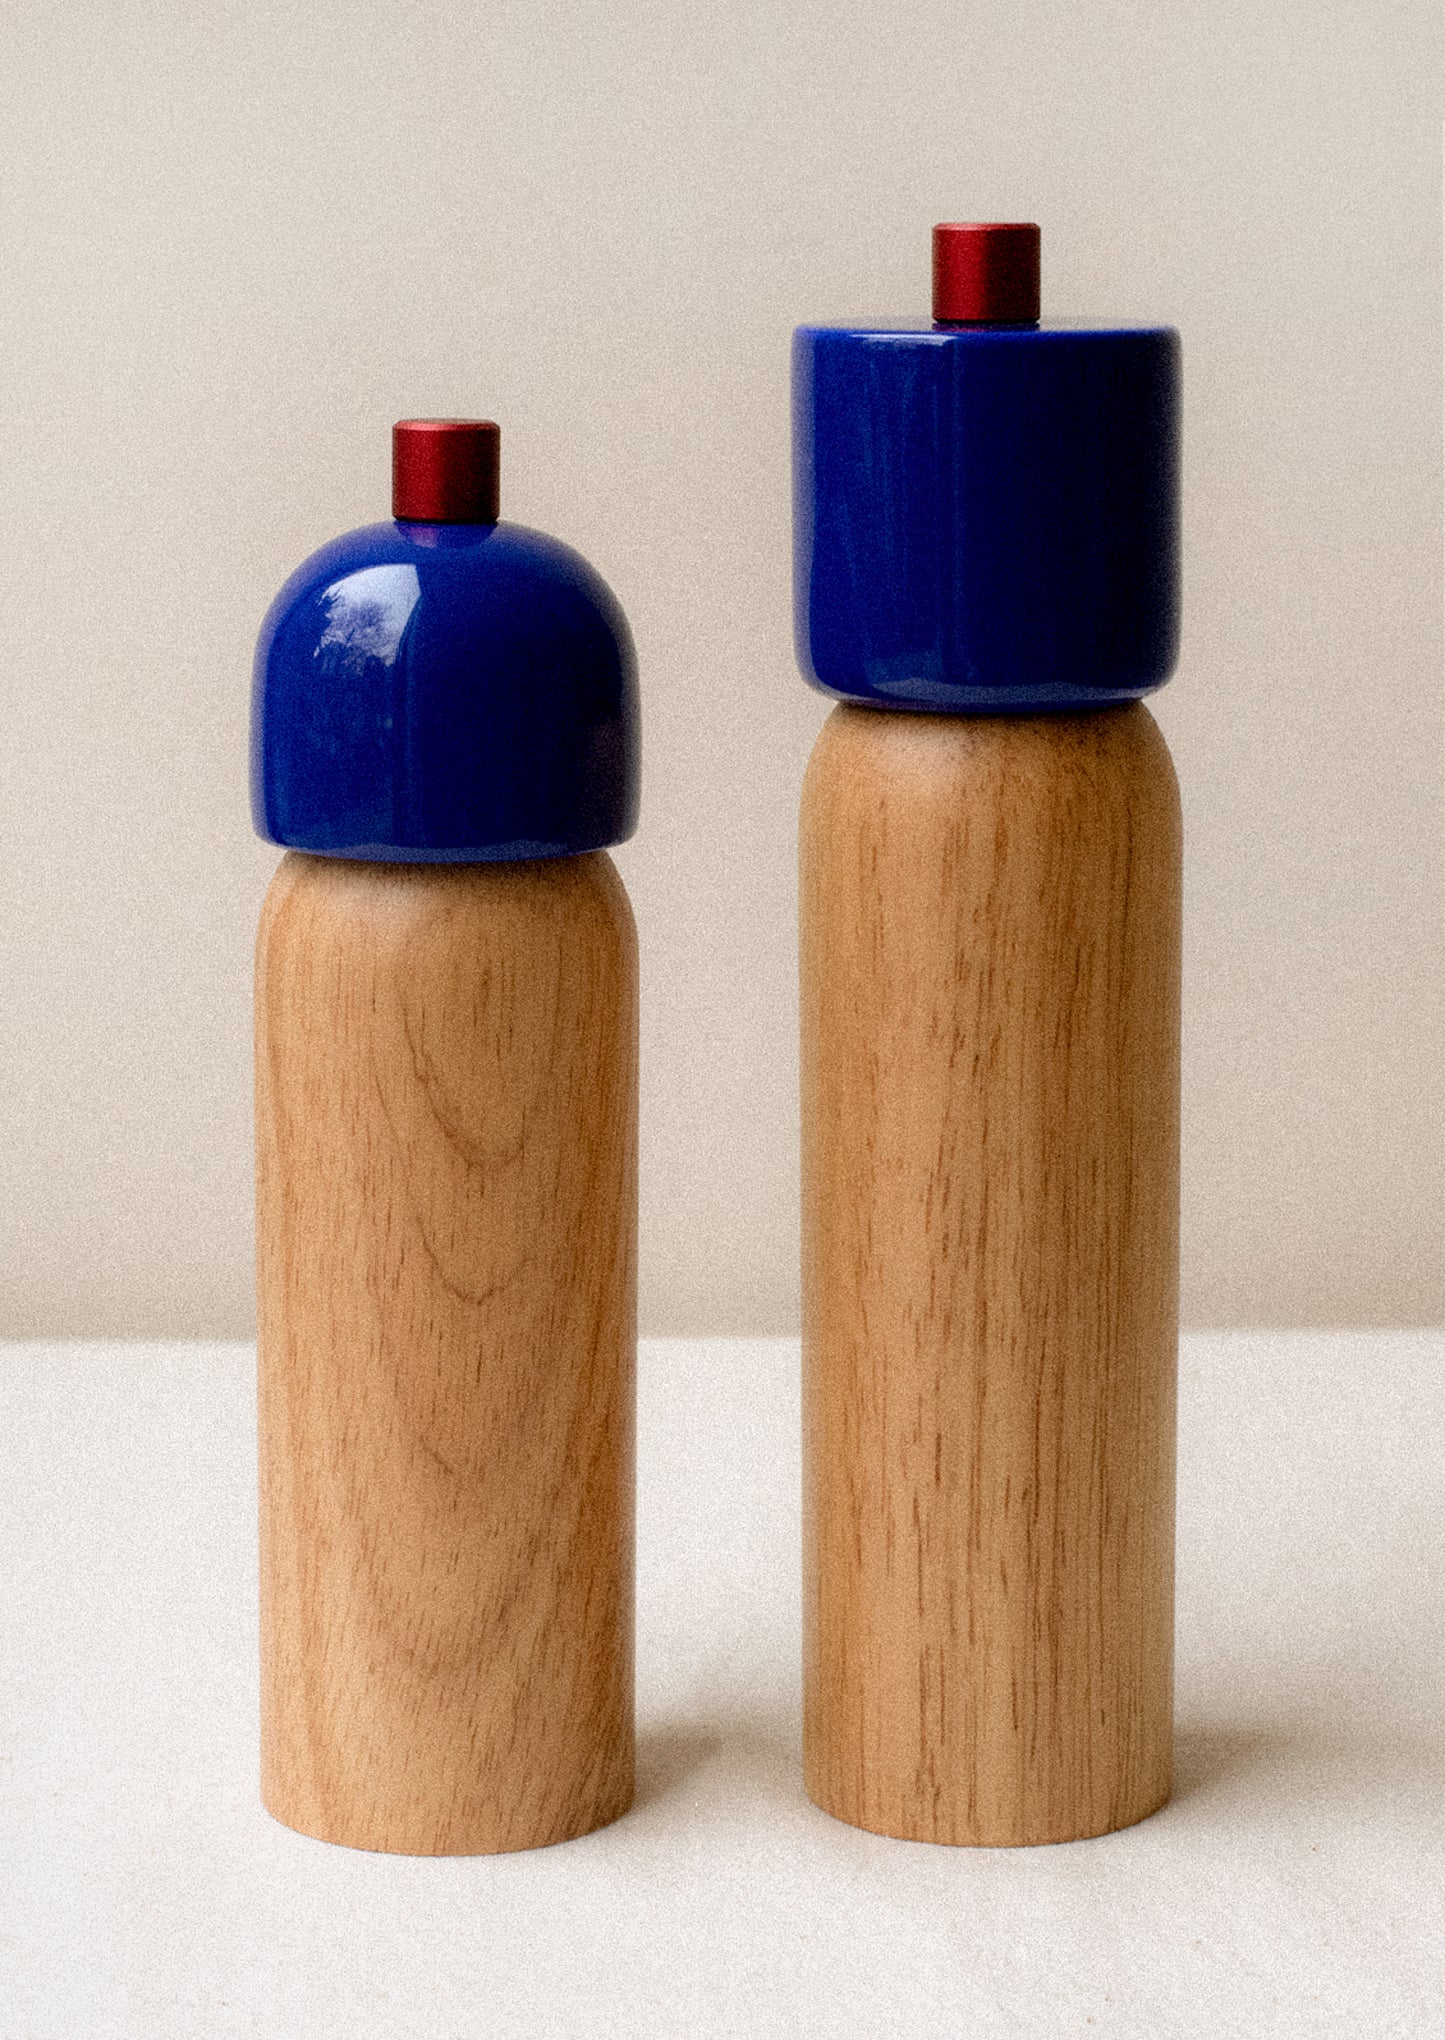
987	581
445	739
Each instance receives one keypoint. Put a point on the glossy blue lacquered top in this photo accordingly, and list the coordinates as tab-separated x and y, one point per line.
445	693
986	516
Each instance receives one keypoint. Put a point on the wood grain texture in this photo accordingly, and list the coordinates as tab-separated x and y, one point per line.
990	1020
446	1098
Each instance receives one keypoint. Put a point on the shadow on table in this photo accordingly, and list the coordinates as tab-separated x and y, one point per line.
1208	1759
757	1753
1305	1759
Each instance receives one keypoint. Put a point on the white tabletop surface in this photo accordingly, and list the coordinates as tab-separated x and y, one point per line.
1294	1885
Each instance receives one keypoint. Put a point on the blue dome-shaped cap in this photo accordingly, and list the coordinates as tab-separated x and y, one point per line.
445	693
986	516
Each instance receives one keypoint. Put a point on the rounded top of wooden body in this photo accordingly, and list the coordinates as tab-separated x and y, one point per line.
445	693
986	516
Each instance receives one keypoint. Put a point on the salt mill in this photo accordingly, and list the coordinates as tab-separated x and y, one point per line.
445	740
987	581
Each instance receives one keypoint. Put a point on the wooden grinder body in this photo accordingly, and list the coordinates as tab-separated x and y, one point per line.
446	1208
990	921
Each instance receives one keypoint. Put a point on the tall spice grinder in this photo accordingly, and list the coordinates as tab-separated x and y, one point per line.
987	581
445	739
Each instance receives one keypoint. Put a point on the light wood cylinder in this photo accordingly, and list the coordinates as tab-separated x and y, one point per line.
990	1038
446	1109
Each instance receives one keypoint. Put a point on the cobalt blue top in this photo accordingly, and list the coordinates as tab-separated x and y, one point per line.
445	693
986	516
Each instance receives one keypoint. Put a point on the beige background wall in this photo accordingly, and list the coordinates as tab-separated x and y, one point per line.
240	239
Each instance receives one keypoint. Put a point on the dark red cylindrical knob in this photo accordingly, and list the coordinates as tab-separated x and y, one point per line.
444	470
986	275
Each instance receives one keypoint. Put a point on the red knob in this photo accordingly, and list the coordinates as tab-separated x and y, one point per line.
986	275
444	470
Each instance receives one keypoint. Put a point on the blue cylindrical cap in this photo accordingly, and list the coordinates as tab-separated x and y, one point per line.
445	693
986	515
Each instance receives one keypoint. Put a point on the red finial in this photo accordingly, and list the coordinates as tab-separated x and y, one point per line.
986	275
444	470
